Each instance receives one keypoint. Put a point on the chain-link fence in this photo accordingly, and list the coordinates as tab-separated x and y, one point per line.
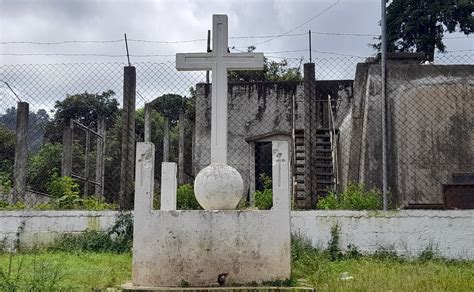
328	111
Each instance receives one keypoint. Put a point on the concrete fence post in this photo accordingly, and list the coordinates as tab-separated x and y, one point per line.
100	159
66	159
309	134
166	140
147	128
21	153
128	138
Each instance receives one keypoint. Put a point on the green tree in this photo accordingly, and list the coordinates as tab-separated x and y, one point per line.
43	166
169	106
419	25
272	71
7	151
36	125
86	108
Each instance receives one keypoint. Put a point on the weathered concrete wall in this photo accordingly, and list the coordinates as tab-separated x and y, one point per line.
257	109
409	232
254	109
432	128
431	134
43	227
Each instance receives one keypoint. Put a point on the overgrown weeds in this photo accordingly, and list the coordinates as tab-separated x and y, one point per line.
354	197
36	276
117	239
264	198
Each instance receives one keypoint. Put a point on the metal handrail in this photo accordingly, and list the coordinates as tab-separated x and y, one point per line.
333	144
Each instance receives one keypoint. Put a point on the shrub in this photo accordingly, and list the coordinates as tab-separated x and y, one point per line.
354	197
264	199
5	183
65	192
117	238
186	200
334	252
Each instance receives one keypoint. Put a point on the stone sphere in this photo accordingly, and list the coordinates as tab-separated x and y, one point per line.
218	187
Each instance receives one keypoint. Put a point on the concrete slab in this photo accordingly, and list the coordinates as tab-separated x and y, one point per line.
131	287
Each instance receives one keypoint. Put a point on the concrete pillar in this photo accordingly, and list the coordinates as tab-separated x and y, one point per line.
166	140
181	149
309	134
144	178
100	159
128	138
21	153
168	186
66	159
147	130
281	188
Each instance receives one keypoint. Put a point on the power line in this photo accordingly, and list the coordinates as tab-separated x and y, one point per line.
166	42
85	55
61	42
267	36
343	34
300	25
337	54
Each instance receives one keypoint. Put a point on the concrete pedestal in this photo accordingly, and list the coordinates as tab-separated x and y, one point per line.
176	248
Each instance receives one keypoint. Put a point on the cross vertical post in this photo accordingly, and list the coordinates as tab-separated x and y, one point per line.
219	61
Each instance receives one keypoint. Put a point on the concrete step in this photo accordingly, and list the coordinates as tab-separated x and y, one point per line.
325	182
318	157
323	165
323	143
323	150
324	173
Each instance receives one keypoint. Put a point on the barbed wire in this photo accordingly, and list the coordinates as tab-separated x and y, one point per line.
300	25
202	40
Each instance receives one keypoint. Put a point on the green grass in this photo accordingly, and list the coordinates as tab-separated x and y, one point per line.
84	271
89	270
375	273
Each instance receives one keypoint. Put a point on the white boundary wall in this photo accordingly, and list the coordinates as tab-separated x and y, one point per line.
42	227
409	232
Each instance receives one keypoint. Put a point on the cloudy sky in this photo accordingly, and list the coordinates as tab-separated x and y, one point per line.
181	26
180	20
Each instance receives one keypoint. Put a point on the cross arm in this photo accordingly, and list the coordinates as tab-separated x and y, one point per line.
244	61
195	61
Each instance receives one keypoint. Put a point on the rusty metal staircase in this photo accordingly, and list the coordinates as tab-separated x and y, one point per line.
324	163
314	176
299	164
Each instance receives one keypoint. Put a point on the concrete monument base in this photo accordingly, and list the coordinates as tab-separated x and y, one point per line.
131	287
180	248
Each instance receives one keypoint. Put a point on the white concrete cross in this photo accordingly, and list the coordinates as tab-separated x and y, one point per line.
219	61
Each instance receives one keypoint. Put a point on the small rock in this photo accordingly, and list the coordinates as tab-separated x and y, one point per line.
345	277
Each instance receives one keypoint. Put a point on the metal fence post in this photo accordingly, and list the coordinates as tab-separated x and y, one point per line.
383	64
